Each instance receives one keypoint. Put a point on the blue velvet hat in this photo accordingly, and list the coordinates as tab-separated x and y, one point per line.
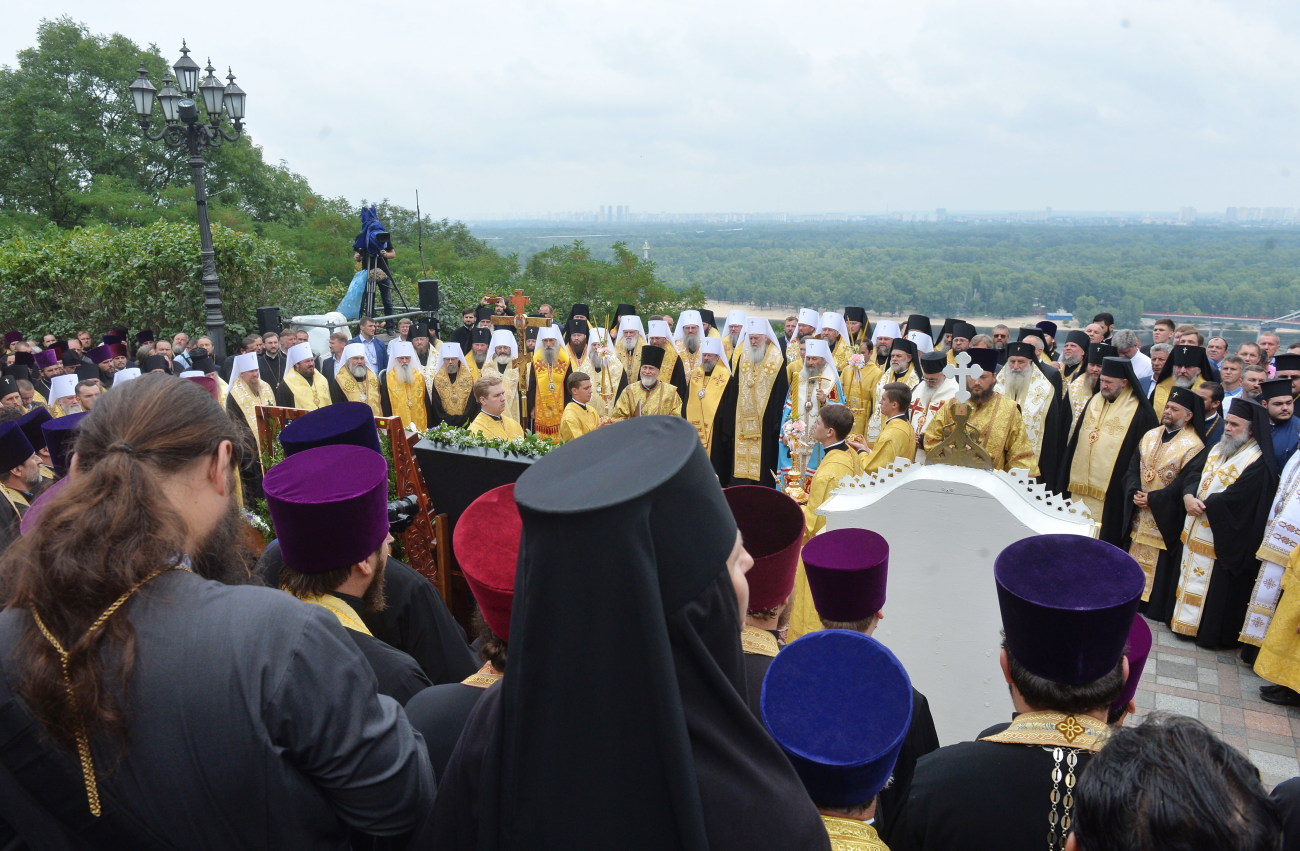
15	448
31	423
59	435
839	704
343	423
1067	605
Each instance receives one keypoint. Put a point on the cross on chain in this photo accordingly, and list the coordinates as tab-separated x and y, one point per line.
960	372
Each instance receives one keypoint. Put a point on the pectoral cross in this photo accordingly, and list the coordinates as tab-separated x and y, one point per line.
960	372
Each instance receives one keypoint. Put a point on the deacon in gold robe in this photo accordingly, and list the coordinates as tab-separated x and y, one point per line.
355	379
999	430
648	396
708	384
757	394
1102	447
1187	366
403	388
897	441
902	367
547	392
1164	453
928	398
490	393
505	351
248	392
577	335
452	402
303	386
580	415
858	381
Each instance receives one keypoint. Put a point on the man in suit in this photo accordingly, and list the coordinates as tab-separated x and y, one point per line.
376	349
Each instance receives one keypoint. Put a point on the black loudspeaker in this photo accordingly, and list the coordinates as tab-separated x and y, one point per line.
268	319
429	295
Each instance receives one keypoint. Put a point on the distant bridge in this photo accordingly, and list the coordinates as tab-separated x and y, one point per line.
1290	321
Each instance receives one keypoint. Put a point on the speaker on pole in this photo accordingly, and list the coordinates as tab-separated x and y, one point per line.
268	319
429	295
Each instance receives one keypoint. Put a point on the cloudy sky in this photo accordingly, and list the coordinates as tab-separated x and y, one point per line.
712	105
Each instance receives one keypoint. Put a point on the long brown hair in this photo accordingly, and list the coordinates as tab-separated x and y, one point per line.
109	528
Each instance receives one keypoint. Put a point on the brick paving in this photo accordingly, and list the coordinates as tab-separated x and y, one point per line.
1214	686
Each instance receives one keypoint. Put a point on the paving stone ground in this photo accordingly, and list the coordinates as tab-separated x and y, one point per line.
1217	688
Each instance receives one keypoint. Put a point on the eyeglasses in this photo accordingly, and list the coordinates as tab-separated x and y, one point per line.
999	336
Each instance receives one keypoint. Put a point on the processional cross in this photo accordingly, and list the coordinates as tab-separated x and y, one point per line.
521	322
963	370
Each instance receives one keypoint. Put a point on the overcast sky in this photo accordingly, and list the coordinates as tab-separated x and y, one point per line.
513	107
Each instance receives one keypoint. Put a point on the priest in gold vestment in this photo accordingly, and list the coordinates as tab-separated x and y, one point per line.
757	394
356	380
858	379
649	395
903	366
580	415
452	401
607	376
628	345
836	334
490	393
928	398
897	441
708	383
303	387
996	420
403	389
1102	447
688	337
547	392
248	391
504	352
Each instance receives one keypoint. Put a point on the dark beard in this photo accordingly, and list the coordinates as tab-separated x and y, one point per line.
227	554
373	600
578	349
979	397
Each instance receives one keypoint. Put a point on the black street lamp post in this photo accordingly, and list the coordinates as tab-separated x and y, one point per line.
184	129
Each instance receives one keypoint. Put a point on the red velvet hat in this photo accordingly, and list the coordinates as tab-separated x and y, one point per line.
771	525
486	543
117	350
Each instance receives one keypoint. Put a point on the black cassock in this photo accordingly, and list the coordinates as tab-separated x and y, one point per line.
722	450
922	738
1114	529
439	713
1237	515
438	414
1056	431
415	619
978	796
396	672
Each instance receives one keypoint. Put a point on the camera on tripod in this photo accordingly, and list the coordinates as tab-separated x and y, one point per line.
401	513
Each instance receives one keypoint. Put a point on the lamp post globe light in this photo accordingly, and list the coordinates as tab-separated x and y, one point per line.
182	128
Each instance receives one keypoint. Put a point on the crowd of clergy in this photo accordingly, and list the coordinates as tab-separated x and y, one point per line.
689	661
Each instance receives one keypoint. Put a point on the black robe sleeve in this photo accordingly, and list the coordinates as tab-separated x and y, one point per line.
1118	502
922	738
284	395
1238	515
681	381
1055	434
385	404
772	427
397	674
722	449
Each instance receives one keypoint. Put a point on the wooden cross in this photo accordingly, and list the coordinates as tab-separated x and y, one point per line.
521	322
959	373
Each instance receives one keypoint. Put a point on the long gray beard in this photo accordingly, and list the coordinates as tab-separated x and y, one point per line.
503	361
735	338
1071	360
358	372
756	354
806	374
899	373
927	392
692	342
1015	385
1229	446
549	356
649	383
1185	383
480	358
629	344
708	368
405	373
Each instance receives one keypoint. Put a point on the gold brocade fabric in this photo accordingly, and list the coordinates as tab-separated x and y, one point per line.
1101	434
503	429
840	353
248	403
691	361
548	402
1162	393
999	430
896	442
483	677
629	361
16	499
859	383
636	401
356	391
1034	405
758	642
1279	655
1078	393
922	410
1054	730
346	614
702	398
803	397
453	396
834	466
754	393
852	835
1281	538
670	363
577	421
1159	464
407	400
308	397
876	421
1197	566
510	381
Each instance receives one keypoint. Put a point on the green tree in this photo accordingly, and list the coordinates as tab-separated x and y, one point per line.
1085	307
565	274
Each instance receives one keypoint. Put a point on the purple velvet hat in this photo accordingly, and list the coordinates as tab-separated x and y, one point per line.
31	423
328	488
771	524
1137	651
32	516
12	337
1067	605
839	704
985	359
99	354
847	570
46	357
59	436
15	448
345	423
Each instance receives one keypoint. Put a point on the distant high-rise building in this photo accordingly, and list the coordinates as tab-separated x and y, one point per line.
645	250
1187	214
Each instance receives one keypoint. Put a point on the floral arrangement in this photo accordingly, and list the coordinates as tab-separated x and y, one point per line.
857	360
531	445
793	428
